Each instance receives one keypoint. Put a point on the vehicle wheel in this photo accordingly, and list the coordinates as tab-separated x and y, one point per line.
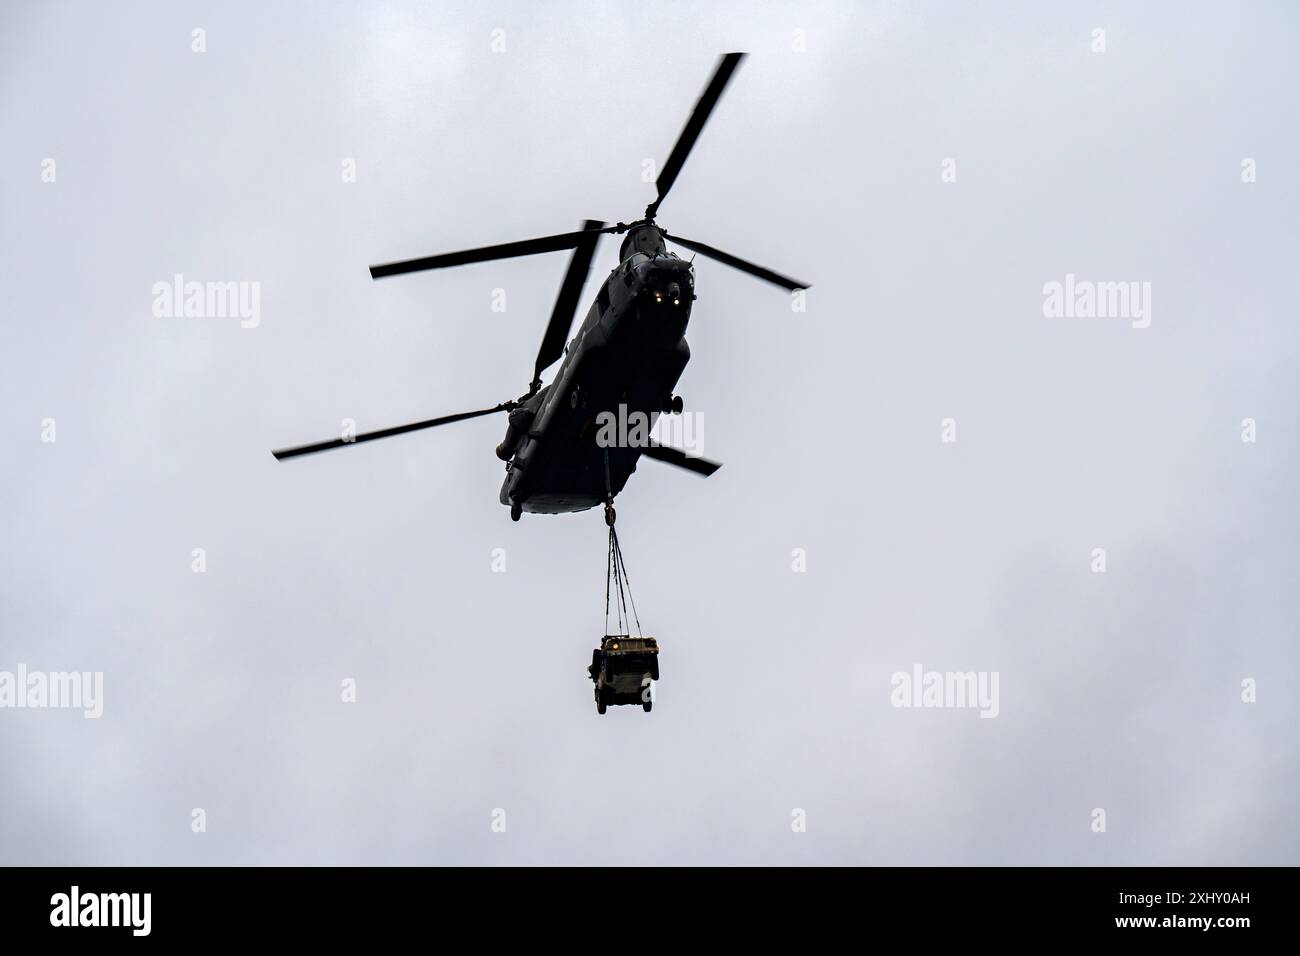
600	703
516	509
678	404
646	705
654	669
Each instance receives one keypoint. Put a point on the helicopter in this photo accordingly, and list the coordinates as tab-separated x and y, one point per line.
628	353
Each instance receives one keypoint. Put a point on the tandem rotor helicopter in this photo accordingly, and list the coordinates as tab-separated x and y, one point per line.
630	350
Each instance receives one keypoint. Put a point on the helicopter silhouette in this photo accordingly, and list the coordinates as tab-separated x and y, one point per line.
628	354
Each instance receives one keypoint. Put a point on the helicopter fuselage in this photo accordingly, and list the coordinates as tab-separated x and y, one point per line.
620	368
626	357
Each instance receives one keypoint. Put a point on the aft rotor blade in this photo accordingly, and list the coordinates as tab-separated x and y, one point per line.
691	132
506	250
673	456
566	303
284	453
738	263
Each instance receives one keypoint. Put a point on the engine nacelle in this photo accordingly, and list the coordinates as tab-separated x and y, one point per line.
521	419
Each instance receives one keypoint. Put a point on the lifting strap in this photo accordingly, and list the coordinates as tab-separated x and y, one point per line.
616	572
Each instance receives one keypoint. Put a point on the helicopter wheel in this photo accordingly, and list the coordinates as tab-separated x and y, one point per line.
600	703
516	509
677	404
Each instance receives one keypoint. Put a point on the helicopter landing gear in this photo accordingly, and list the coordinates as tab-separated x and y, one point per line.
516	509
672	404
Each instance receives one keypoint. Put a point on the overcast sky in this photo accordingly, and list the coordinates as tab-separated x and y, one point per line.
1119	691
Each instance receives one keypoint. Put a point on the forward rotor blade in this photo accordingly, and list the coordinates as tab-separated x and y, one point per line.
691	132
673	456
566	303
738	263
506	250
284	453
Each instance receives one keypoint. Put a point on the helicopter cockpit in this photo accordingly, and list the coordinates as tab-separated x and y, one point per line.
644	239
